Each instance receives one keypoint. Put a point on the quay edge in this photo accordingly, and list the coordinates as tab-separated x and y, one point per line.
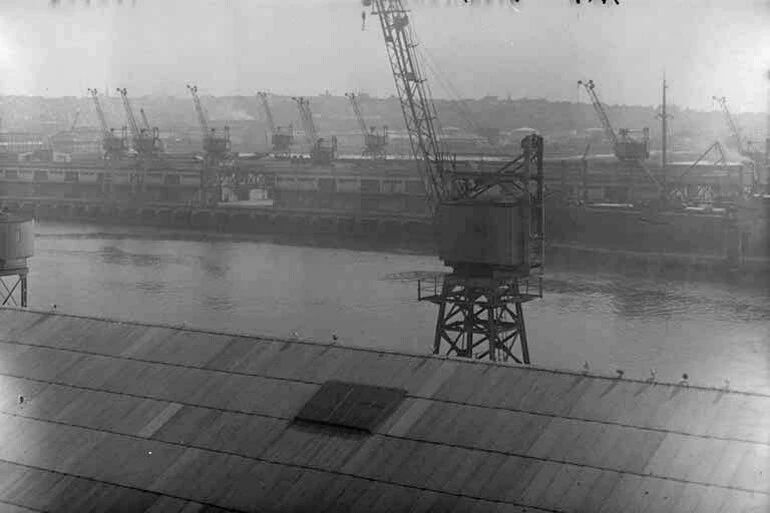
414	234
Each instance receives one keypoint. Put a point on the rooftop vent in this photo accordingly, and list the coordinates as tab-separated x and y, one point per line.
351	405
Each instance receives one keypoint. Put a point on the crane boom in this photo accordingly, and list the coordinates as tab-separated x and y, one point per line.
357	111
590	87
307	120
735	132
132	124
416	105
375	145
199	109
144	119
100	112
268	113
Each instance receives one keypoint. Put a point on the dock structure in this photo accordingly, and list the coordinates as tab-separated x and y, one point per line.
103	415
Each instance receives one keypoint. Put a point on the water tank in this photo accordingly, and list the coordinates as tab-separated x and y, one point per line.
17	237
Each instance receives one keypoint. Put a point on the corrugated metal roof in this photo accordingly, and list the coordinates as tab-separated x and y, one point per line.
128	417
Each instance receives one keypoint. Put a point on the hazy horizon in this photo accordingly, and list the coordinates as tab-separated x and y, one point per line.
538	50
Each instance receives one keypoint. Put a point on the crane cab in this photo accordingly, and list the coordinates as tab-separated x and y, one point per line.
282	141
629	147
494	233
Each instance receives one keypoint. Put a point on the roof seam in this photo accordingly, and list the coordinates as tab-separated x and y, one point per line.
16	504
404	438
408	395
256	459
101	481
468	361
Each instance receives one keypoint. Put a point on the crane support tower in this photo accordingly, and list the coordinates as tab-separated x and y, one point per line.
320	153
114	146
217	160
282	138
375	144
489	225
625	146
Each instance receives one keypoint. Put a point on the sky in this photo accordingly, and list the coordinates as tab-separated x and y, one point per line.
537	49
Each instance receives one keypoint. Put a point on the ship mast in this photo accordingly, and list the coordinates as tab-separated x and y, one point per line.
664	121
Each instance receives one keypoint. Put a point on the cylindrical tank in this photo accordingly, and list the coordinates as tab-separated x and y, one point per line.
17	237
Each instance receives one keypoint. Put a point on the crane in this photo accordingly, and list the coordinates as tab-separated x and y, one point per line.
217	159
145	142
624	146
114	147
212	144
375	145
734	131
489	225
282	140
319	153
154	131
745	148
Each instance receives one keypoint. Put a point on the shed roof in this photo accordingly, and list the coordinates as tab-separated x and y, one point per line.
120	416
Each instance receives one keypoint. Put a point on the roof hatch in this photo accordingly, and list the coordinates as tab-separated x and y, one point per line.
351	405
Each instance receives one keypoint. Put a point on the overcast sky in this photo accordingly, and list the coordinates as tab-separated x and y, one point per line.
540	49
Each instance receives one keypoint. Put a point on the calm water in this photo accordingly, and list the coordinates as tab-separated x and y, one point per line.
711	332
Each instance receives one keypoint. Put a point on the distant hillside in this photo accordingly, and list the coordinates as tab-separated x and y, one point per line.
333	115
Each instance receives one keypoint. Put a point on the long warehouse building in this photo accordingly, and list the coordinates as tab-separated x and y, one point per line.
104	415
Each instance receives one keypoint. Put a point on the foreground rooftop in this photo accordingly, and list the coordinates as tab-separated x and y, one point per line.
100	415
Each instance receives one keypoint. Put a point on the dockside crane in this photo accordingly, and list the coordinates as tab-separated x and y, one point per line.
375	144
114	146
146	143
740	145
216	156
320	153
154	130
489	225
745	148
623	144
212	143
281	139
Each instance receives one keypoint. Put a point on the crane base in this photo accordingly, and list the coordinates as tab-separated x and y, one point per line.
482	317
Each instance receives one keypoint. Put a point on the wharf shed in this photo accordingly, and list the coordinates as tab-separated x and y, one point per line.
104	415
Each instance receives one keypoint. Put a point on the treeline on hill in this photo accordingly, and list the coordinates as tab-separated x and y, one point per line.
333	114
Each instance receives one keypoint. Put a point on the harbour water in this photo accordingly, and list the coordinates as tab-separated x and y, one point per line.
711	332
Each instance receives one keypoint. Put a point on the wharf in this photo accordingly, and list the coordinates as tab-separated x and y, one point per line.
122	416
